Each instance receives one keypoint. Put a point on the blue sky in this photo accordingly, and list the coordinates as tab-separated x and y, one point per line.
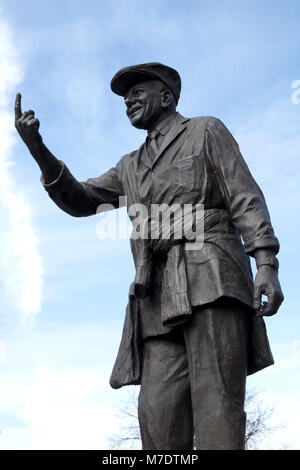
63	291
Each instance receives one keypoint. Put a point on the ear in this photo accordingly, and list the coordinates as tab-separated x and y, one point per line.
166	98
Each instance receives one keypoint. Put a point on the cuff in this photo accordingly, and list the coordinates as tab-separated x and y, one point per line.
56	180
268	242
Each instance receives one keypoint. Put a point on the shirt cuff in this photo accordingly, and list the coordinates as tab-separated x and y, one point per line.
56	180
270	242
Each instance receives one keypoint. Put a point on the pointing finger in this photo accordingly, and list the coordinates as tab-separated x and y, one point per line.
18	110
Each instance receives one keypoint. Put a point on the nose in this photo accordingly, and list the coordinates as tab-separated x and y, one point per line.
129	100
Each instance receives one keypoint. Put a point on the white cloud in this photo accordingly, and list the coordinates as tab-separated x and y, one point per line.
54	388
2	352
285	421
64	411
51	408
20	262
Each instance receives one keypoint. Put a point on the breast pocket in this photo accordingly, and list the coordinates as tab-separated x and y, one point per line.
191	174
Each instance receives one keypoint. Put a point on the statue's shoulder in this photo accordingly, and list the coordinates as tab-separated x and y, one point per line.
204	120
128	156
126	159
210	124
199	124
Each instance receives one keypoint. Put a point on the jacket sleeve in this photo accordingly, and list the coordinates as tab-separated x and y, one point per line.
81	199
243	198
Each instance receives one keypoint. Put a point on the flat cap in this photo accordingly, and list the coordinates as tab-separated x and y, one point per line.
127	77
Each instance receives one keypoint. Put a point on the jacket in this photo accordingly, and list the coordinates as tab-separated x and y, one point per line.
199	162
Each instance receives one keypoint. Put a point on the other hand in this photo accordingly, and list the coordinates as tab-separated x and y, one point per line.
266	282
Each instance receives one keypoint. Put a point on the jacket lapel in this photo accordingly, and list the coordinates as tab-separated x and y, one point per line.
145	157
177	128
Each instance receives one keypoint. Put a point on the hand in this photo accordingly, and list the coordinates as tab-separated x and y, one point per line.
266	282
27	125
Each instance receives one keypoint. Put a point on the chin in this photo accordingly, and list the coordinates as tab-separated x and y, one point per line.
138	123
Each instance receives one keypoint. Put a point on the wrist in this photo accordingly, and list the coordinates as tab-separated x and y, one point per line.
36	148
270	261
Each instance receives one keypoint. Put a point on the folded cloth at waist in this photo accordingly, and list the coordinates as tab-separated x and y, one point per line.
175	303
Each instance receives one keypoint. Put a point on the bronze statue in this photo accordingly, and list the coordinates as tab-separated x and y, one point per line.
194	325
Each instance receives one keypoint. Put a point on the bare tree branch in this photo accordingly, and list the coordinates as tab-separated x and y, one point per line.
258	423
129	436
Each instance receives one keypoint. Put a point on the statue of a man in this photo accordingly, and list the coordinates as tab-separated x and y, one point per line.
194	325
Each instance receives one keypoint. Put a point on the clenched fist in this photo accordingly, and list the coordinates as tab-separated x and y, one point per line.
27	125
266	282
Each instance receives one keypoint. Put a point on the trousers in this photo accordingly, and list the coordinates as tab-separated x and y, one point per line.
193	384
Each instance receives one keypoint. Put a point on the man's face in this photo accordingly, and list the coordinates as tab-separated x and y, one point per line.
144	104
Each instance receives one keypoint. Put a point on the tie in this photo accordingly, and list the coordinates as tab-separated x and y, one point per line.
153	141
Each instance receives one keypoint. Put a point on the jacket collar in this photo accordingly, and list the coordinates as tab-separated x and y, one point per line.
177	127
164	126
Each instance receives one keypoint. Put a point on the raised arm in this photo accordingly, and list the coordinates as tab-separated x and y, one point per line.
77	198
27	126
